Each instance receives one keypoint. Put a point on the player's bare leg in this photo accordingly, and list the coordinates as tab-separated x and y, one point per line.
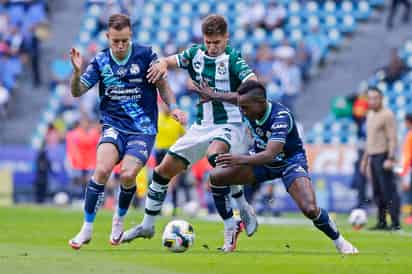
221	195
168	168
130	168
302	192
107	157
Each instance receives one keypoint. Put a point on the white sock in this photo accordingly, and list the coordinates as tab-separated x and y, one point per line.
148	221
87	226
229	223
115	215
240	201
338	241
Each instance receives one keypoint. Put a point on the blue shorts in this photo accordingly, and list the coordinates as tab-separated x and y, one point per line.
137	145
295	167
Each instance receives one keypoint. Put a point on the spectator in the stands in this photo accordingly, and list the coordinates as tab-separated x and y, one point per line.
288	74
4	99
264	63
275	15
303	60
395	69
394	8
253	16
318	44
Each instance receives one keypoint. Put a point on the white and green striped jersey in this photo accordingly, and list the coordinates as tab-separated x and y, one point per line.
224	73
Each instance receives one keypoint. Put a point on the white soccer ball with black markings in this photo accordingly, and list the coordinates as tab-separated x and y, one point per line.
358	218
178	236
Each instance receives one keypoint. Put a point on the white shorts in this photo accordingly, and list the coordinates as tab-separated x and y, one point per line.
193	146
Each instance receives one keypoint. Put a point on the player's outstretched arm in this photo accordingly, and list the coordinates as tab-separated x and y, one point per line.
77	88
273	148
169	98
159	68
207	93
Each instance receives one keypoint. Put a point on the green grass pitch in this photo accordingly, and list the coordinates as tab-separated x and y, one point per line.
34	240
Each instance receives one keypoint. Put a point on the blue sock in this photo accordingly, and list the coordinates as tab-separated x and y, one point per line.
324	223
222	201
94	199
125	197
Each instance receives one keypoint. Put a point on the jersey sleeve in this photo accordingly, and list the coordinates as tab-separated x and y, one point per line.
241	68
184	58
92	74
281	126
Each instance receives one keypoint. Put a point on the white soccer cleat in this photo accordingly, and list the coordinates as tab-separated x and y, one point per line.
346	248
249	219
117	230
137	232
83	237
230	237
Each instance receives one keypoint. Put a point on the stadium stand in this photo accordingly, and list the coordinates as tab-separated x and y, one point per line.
23	25
335	130
302	33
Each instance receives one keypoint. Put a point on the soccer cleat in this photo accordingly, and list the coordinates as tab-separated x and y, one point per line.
230	237
249	219
137	232
83	237
346	248
379	226
117	231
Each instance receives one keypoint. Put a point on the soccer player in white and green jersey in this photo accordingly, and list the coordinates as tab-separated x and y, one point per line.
218	128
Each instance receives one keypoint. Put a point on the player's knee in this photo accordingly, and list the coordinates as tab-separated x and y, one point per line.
128	176
310	210
102	174
170	167
215	178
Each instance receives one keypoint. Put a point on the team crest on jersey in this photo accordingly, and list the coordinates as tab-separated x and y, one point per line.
197	64
134	69
221	68
121	71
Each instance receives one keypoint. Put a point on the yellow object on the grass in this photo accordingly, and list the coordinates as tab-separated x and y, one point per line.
142	181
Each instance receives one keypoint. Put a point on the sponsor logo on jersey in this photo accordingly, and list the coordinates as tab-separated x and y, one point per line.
279	126
137	142
144	152
107	71
136	80
244	73
134	69
110	133
300	169
121	72
121	93
260	132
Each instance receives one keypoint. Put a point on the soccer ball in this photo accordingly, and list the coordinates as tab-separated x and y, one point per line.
358	218
178	236
61	198
191	208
